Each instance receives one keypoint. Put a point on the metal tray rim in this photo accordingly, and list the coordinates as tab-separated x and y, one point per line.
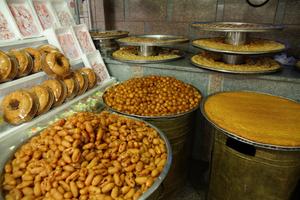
239	138
125	34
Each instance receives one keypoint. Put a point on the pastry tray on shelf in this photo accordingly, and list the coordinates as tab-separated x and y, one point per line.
157	40
7	130
236	26
108	35
236	52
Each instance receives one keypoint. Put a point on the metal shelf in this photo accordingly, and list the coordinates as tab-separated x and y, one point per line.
7	130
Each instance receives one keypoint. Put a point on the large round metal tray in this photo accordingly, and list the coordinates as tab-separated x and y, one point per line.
235	72
156	183
236	52
153	117
236	27
107	35
231	135
180	55
161	40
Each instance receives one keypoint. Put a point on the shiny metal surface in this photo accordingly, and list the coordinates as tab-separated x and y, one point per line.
180	55
235	38
112	34
235	72
163	40
233	59
147	50
232	135
236	26
236	52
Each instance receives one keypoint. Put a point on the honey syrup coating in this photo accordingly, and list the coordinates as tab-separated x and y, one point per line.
9	67
82	80
91	76
152	96
45	98
72	86
19	106
87	156
37	58
25	62
59	90
56	65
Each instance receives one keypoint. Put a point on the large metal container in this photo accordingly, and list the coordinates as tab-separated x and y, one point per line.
10	144
178	129
244	170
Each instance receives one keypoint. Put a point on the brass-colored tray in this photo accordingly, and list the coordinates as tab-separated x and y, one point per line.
158	40
235	26
107	35
235	72
237	52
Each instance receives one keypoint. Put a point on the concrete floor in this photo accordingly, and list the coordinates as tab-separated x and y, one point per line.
188	193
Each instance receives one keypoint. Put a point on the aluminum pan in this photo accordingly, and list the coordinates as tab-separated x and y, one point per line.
181	55
152	117
235	72
236	26
241	139
166	40
236	52
156	183
118	34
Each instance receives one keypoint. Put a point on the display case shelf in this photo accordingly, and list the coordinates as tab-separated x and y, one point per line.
23	42
7	130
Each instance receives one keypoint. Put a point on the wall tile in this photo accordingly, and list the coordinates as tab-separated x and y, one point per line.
237	10
172	28
114	10
132	27
194	10
292	12
97	10
146	10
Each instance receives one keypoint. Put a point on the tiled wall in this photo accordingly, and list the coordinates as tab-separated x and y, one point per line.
175	16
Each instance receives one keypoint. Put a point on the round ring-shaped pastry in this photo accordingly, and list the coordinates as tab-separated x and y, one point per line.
9	67
37	59
56	65
82	80
19	106
25	62
59	90
45	97
47	48
72	87
91	76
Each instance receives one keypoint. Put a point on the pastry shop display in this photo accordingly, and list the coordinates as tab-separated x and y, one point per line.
45	97
105	41
147	49
59	90
152	96
92	78
56	65
82	80
236	48
131	54
75	158
19	106
37	58
213	61
253	46
9	67
48	48
25	62
72	86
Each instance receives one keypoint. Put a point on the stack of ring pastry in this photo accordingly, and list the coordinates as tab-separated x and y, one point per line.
19	106
56	65
82	80
72	86
91	76
9	67
59	90
45	97
47	48
25	62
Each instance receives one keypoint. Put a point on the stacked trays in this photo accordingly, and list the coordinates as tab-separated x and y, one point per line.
148	49
236	52
105	40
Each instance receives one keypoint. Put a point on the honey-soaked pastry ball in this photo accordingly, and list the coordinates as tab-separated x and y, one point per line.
152	96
